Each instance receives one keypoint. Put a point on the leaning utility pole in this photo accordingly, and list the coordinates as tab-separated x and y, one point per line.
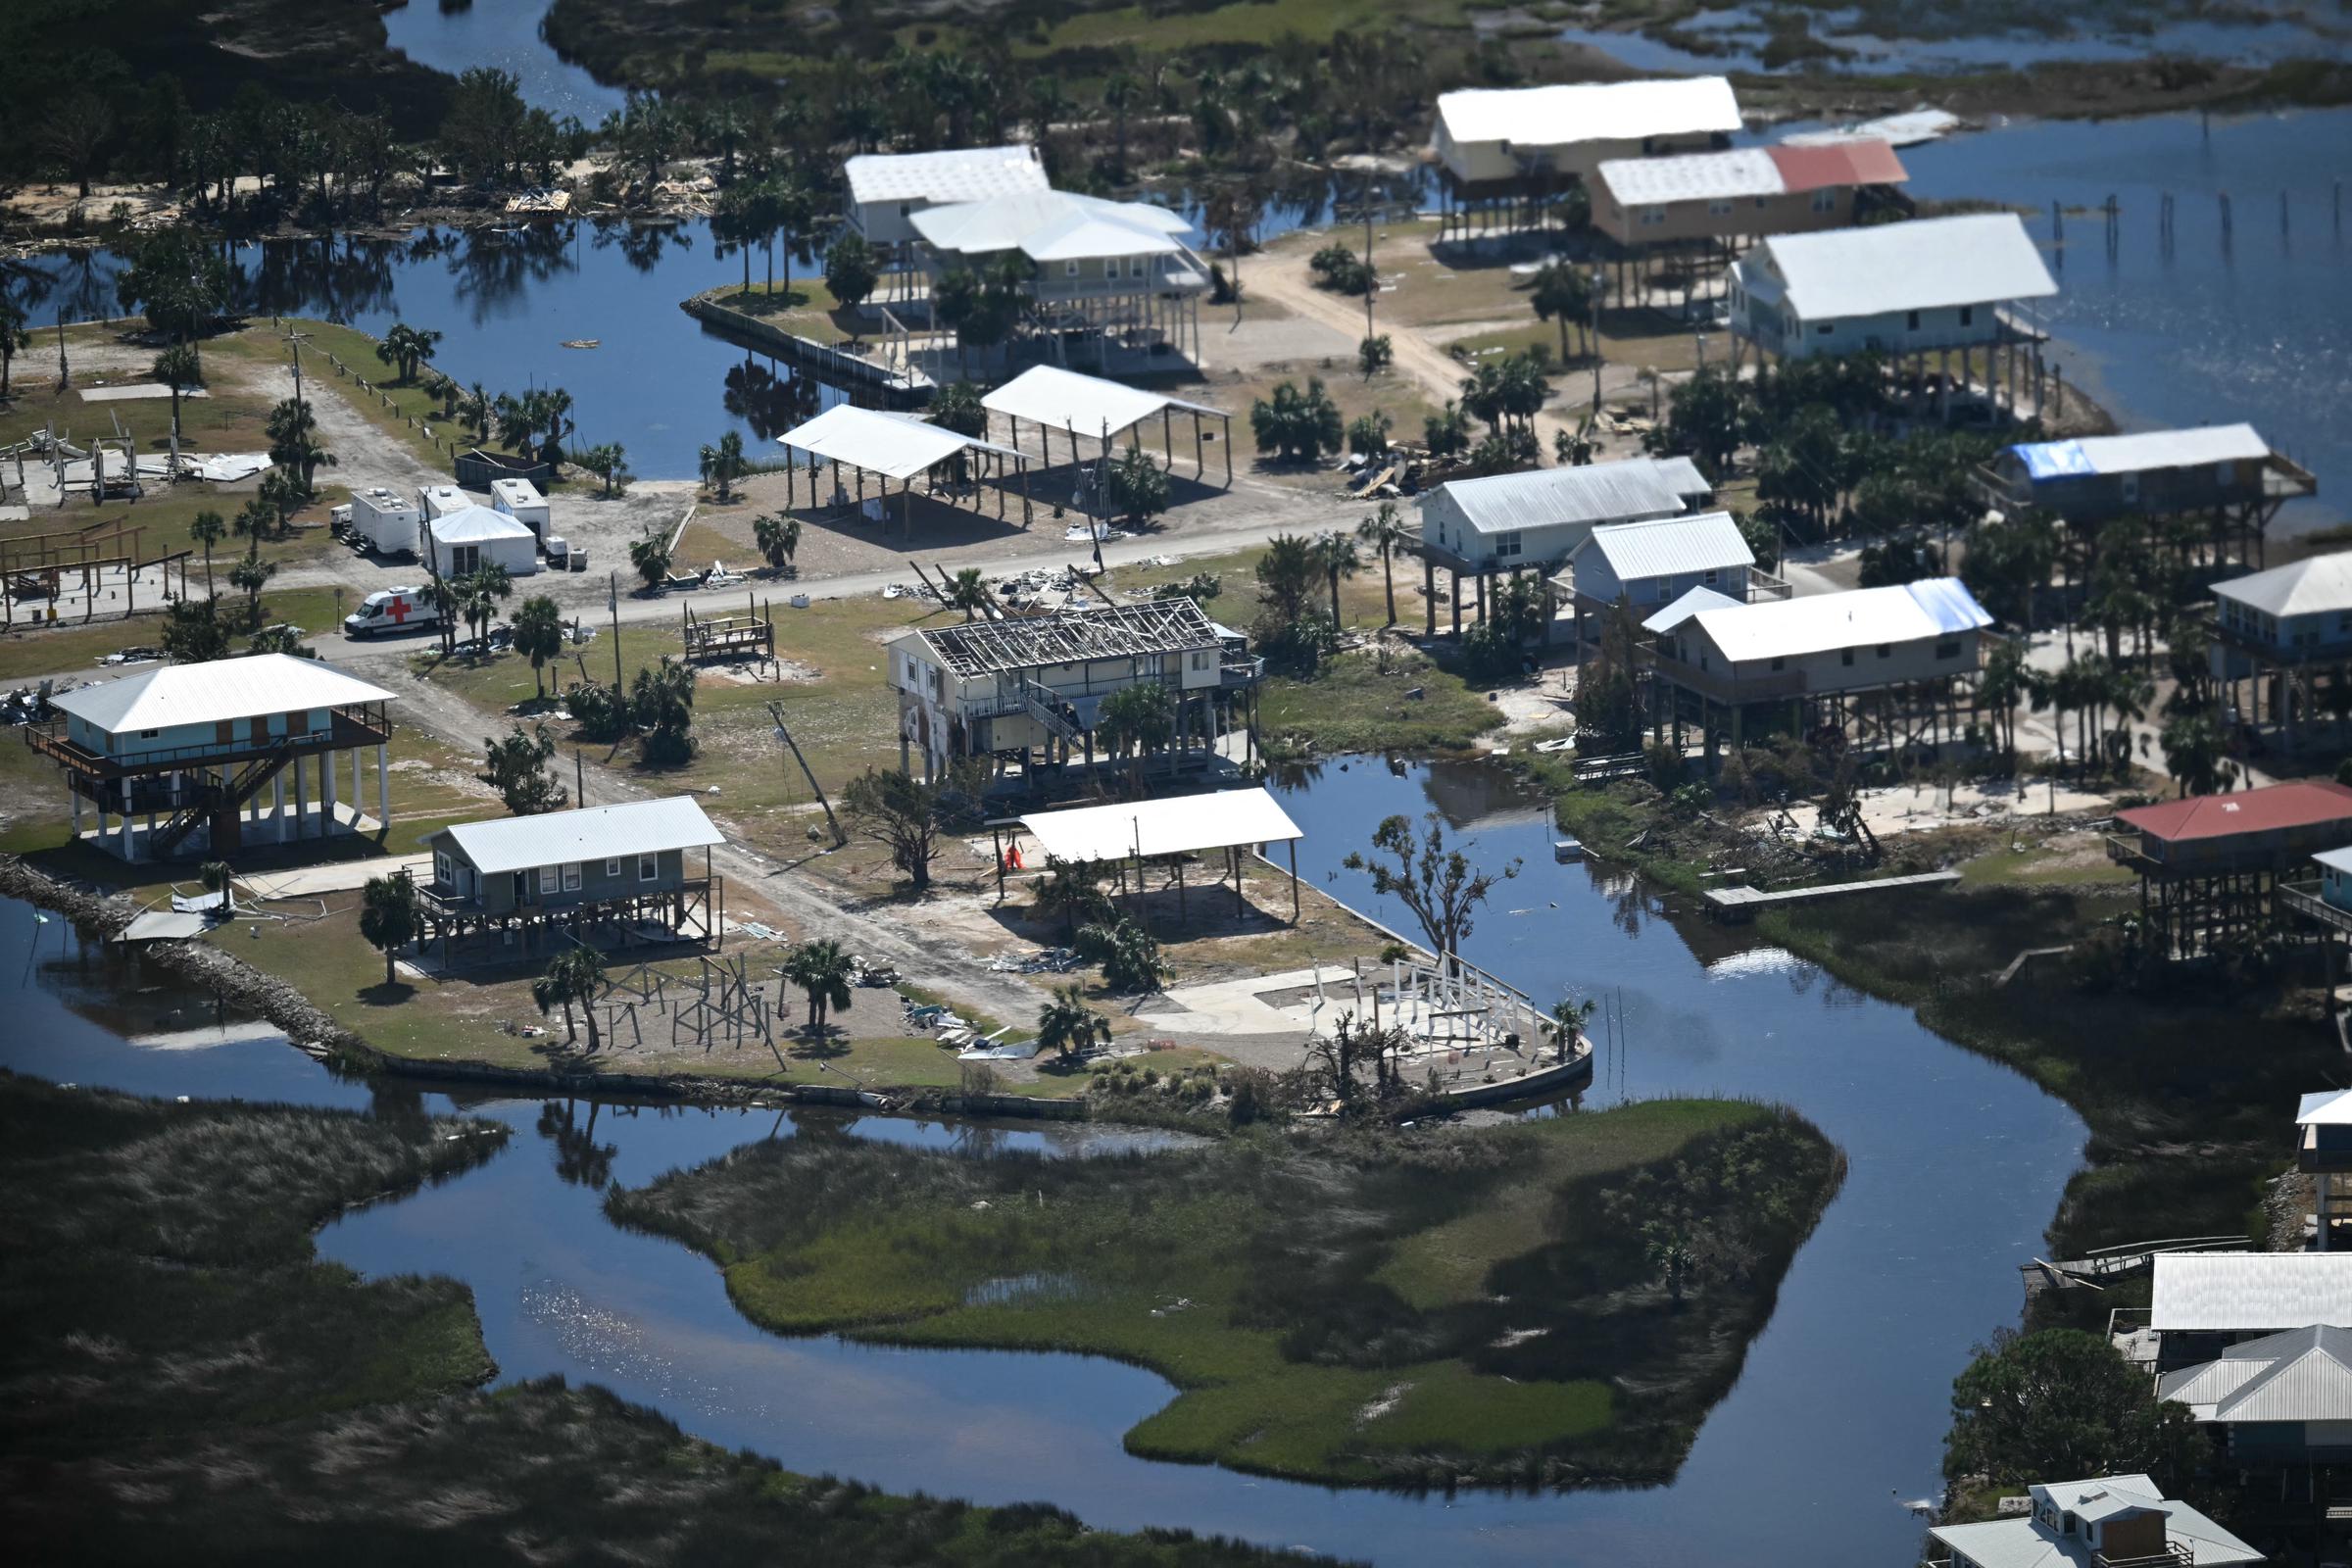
775	710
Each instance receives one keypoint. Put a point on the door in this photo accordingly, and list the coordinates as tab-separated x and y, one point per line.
523	888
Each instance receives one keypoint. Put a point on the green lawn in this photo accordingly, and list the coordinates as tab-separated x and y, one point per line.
1474	1303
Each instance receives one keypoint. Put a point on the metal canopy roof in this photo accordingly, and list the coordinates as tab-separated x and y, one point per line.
1691	603
1052	225
1048	395
2301	1375
1856	617
595	833
216	690
1073	637
2320	585
896	445
1925	263
2147	452
1663	546
1598	492
2329	1107
2299	803
1614	111
2238	1292
969	173
1177	826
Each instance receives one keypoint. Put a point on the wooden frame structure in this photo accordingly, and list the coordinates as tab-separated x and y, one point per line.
752	634
37	565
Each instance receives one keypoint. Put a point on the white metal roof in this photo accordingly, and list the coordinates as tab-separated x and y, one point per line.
2329	1107
1611	111
2301	1375
968	173
517	492
1598	492
1691	603
2026	1543
1173	826
898	445
2239	1292
2319	585
1046	394
1692	176
1926	264
216	690
474	525
1856	617
2146	451
595	833
1666	547
1052	225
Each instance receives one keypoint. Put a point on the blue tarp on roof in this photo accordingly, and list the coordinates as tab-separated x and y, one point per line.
2054	460
1950	604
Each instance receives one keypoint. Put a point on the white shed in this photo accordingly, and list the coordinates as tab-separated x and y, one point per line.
440	500
521	500
480	537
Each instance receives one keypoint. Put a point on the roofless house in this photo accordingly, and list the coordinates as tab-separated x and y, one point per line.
613	874
896	446
1505	154
2223	474
1108	414
188	749
1942	286
2210	866
1030	689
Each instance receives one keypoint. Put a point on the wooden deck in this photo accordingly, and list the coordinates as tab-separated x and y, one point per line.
1741	903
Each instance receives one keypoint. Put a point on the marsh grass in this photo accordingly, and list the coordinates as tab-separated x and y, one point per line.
1360	1308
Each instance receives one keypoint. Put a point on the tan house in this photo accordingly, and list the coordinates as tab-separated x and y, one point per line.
1745	192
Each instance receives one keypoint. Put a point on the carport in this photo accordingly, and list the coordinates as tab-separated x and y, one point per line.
1055	399
1134	832
891	446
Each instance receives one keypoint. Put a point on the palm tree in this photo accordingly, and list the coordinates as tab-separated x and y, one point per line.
406	347
1336	557
207	530
1568	1021
1068	890
475	411
967	591
723	464
778	538
1121	92
479	593
1066	1025
1135	721
1387	531
1286	576
573	975
825	970
538	636
12	338
1560	294
219	878
252	574
650	555
178	369
293	433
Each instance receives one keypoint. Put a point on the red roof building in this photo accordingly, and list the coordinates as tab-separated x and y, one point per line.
1840	162
2263	829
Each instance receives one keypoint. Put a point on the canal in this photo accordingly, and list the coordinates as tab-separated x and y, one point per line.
1956	1166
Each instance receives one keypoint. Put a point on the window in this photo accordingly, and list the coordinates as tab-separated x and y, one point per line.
445	870
1968	315
546	879
1069	269
1719	209
1911	321
1779	661
649	868
1826	328
571	876
1761	203
1702	658
1846	656
1948	648
1653	215
1508	543
149	734
1709	578
1138	266
1886	651
612	868
1825	201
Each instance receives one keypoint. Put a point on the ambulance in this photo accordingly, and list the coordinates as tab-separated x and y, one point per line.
391	610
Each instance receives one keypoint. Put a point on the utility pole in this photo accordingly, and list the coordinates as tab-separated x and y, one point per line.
775	710
612	599
294	343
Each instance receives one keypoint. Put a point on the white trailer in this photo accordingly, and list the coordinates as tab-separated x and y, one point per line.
521	500
388	521
440	500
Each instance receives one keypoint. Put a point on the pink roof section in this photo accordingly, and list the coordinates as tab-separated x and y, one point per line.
2308	803
1843	163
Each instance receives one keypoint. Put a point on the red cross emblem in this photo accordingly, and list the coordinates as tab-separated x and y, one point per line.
399	609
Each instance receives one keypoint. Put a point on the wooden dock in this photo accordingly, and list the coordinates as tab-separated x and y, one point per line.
1741	903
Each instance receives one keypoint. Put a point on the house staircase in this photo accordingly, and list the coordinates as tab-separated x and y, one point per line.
221	803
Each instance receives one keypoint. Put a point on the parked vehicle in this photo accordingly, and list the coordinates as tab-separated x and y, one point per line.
391	610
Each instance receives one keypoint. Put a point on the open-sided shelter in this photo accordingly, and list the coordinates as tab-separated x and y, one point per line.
1168	830
894	446
1106	413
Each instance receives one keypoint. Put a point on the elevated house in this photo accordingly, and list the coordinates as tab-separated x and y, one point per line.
2324	1152
1533	521
1957	289
2322	904
2204	1304
1504	153
2279	1400
2274	633
179	756
1030	689
1655	562
2210	866
1107	274
2224	473
886	190
1893	666
1717	200
2105	1522
612	873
